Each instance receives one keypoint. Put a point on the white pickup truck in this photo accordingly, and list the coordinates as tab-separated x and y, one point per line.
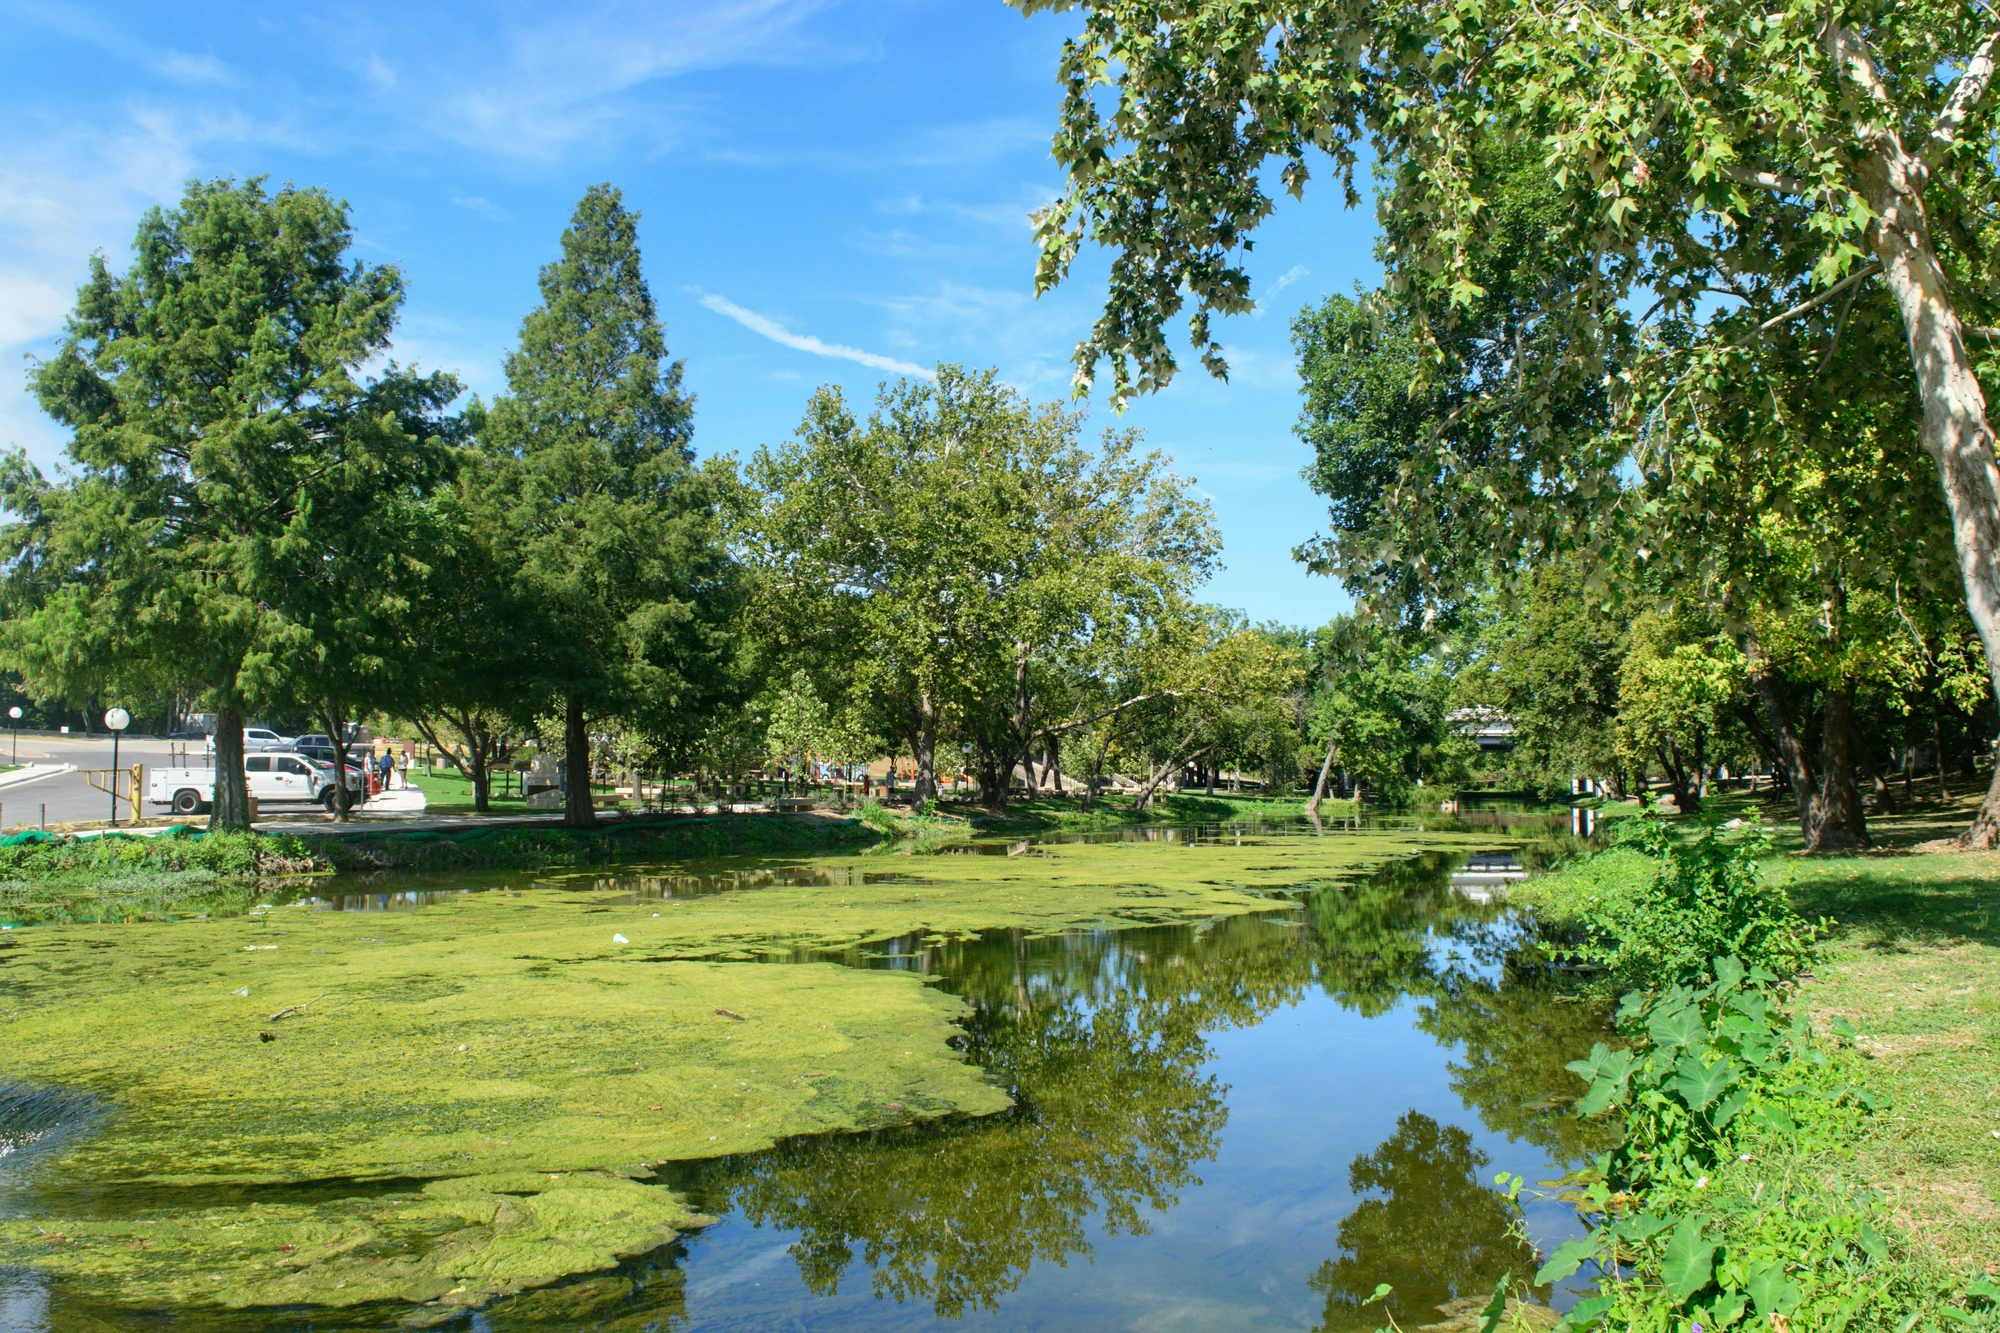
271	777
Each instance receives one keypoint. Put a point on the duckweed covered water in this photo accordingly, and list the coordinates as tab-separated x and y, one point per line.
1225	1079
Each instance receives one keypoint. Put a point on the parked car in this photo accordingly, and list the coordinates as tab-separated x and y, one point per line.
257	740
188	734
357	781
318	746
270	777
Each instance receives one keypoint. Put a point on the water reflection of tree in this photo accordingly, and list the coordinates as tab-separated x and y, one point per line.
1101	1039
1433	1231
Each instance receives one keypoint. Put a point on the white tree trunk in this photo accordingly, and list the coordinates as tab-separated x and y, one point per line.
1955	431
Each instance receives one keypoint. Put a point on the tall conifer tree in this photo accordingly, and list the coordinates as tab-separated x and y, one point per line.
615	531
221	439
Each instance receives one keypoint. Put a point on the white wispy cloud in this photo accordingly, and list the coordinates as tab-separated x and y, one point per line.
1284	280
483	206
766	327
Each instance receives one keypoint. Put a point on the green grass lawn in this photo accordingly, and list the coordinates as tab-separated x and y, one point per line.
448	792
1914	966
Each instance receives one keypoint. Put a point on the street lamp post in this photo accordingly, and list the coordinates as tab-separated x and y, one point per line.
118	719
15	714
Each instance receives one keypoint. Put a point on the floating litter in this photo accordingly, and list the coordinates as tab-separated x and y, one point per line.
244	991
619	939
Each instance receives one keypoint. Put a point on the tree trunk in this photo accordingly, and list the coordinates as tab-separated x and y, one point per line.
1685	799
1837	821
231	807
480	774
1326	767
1955	432
1937	755
1792	755
1144	799
1884	801
336	731
992	789
1097	770
923	744
577	810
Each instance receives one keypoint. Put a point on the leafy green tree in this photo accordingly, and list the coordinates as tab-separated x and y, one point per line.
615	534
357	565
222	435
1677	694
469	671
1379	707
956	553
1775	156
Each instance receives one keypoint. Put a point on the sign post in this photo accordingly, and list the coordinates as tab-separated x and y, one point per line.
118	719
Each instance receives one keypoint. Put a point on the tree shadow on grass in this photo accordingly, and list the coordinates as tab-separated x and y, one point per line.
1896	902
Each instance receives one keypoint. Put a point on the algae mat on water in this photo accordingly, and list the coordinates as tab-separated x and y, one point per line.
515	1060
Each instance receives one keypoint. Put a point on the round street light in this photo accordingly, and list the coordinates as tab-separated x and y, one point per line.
118	719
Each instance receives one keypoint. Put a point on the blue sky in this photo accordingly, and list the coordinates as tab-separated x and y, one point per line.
829	190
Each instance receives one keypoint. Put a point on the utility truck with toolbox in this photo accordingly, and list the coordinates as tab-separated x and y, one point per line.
270	777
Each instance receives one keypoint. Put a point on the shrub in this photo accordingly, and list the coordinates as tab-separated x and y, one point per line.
1701	900
1724	1206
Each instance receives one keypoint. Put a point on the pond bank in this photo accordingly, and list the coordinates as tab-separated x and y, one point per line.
1889	1163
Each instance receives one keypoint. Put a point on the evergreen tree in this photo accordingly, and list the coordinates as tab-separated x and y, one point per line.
219	433
616	533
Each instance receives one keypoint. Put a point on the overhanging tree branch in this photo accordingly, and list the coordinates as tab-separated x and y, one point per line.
1966	95
1864	272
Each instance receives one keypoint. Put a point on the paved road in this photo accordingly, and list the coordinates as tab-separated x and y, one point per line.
68	797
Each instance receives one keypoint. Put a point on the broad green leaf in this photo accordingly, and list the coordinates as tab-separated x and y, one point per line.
1699	1084
1569	1256
1771	1291
1728	975
1688	1262
1681	1027
1586	1314
1496	1308
1731	1107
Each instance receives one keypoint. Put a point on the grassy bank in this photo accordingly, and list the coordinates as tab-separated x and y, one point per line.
119	877
123	877
1874	1158
668	839
1117	810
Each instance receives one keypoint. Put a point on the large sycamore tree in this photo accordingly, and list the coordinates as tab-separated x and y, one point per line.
946	562
224	446
1778	154
614	533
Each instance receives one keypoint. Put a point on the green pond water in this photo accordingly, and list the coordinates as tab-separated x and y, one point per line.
1241	1121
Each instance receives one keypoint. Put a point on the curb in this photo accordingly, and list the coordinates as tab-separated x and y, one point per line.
33	773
